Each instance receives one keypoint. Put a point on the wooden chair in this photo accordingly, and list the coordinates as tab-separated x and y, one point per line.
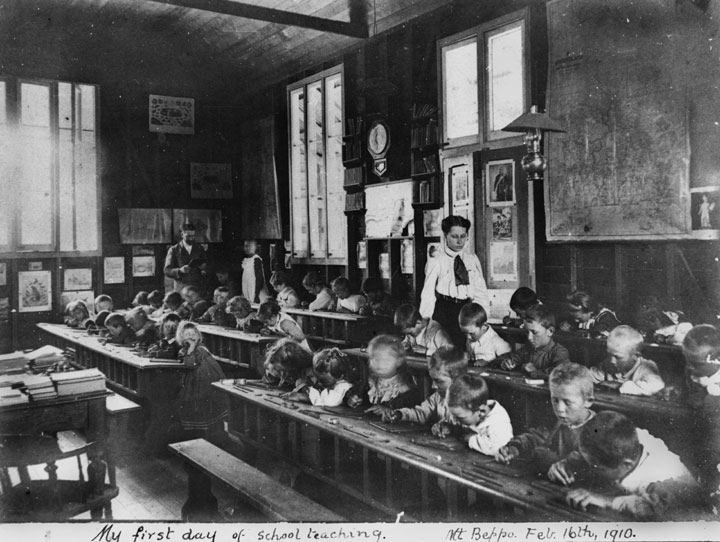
47	497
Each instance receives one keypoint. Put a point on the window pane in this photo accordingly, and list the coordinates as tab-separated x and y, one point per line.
337	238
316	171
35	167
298	174
460	89
86	97
5	169
505	76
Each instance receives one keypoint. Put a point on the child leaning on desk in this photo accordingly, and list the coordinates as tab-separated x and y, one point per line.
446	364
379	303
77	315
324	300
239	308
287	364
586	314
276	321
571	396
638	475
422	335
625	369
167	347
483	344
541	353
390	384
345	300
118	330
216	314
468	400
332	383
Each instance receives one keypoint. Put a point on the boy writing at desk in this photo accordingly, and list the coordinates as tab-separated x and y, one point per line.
483	343
422	335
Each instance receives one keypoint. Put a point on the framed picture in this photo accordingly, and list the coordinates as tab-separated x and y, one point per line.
500	182
503	261
502	223
114	270
459	176
145	226
171	115
207	222
77	279
362	255
705	208
210	181
407	256
389	208
34	291
143	266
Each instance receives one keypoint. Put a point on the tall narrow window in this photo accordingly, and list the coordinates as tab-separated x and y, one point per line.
48	168
318	227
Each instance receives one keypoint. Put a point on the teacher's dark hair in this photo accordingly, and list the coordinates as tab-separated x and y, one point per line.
454	220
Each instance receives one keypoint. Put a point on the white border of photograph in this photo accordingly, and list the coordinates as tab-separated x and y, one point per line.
114	270
34	291
143	266
492	170
503	261
77	279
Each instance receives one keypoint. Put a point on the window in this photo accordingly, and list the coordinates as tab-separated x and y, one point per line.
315	106
484	80
48	167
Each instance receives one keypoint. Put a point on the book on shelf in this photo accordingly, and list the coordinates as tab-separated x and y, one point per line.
355	201
424	134
354	176
354	125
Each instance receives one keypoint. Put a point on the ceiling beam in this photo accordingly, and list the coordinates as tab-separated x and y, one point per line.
356	28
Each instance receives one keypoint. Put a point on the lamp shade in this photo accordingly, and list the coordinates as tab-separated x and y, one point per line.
532	120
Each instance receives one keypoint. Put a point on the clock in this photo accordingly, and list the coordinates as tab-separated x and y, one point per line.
378	139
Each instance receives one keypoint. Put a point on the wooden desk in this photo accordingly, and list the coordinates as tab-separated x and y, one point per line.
125	371
237	349
390	472
339	328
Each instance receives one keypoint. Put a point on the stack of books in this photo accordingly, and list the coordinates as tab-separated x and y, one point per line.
44	357
14	362
78	382
39	387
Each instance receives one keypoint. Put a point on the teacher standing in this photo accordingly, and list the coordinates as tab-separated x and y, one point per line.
186	261
452	278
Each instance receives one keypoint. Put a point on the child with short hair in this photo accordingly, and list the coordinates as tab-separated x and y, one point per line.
253	275
331	384
422	335
200	409
379	303
173	302
521	300
625	369
468	400
390	385
571	396
103	302
194	303
483	343
276	321
287	364
651	482
140	299
145	329
314	284
224	278
119	332
587	314
701	348
154	304
541	353
241	310
445	365
99	322
167	347
286	295
346	301
77	314
216	314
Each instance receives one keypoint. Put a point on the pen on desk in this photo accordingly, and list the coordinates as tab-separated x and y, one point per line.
349	429
410	452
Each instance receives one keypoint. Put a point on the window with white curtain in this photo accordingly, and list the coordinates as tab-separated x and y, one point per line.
48	167
316	119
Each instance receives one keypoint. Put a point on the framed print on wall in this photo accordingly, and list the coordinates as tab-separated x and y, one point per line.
34	291
500	175
77	279
210	181
171	115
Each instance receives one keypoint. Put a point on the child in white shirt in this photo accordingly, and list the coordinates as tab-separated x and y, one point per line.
483	343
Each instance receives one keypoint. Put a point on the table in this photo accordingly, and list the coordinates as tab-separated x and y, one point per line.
391	472
237	349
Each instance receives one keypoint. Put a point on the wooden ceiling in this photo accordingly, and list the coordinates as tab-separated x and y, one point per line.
164	46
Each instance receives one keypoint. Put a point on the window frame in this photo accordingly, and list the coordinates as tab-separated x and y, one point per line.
305	257
14	249
481	33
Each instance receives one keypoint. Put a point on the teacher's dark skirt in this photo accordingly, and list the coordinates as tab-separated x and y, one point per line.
446	313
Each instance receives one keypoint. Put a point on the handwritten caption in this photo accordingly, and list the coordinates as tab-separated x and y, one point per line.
362	533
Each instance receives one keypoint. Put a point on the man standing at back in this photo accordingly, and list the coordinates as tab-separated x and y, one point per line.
186	261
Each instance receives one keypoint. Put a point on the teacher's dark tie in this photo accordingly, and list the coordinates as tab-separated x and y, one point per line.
461	272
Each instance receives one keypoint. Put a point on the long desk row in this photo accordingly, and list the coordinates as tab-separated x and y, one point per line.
235	348
392	468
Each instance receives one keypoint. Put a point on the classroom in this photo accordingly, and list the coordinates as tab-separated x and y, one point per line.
359	261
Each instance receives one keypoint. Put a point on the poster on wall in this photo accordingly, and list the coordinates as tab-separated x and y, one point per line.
210	181
87	297
362	255
207	222
171	115
34	291
77	279
407	257
500	175
3	274
502	222
503	261
114	270
389	209
705	212
143	266
145	226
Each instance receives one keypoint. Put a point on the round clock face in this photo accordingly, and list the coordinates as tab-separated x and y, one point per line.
378	139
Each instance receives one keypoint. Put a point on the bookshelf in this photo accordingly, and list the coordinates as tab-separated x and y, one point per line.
424	161
353	161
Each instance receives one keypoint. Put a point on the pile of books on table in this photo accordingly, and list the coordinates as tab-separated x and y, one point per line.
78	382
39	387
14	362
44	357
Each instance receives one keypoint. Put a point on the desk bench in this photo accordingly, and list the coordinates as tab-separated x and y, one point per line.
275	500
241	353
339	328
